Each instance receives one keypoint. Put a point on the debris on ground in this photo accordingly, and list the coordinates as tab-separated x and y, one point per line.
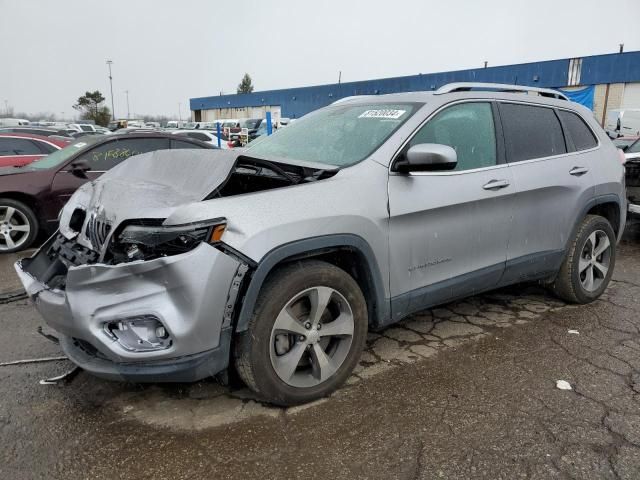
65	376
33	360
563	385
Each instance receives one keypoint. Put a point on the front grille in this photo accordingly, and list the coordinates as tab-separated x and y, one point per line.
97	231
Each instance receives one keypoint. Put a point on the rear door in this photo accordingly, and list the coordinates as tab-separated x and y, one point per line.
554	182
449	230
100	159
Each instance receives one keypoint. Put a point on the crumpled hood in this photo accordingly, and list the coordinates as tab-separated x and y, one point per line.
148	186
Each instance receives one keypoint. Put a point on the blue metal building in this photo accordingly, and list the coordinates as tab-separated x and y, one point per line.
294	102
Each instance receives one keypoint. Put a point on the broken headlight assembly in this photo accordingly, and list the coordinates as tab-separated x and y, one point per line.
145	242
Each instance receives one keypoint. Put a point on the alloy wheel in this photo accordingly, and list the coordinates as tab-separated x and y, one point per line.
311	337
14	228
595	259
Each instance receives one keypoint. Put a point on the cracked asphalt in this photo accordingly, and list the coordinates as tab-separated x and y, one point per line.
467	390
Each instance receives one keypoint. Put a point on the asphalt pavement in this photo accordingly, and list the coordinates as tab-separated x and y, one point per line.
468	390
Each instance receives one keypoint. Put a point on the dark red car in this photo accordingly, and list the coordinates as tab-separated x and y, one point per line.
17	149
31	196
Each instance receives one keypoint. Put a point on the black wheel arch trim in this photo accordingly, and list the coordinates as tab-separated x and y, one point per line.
310	246
594	202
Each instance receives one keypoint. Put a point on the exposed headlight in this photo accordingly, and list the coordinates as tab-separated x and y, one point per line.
144	241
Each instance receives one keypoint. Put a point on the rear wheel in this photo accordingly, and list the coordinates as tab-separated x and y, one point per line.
587	269
305	337
18	226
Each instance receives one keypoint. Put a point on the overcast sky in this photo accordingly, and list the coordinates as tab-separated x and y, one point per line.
166	51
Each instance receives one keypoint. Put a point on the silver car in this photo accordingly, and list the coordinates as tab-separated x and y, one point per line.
278	259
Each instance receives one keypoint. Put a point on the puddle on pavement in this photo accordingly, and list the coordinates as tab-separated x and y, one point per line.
207	404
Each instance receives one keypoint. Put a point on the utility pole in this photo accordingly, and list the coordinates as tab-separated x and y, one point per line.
113	110
6	107
127	92
179	112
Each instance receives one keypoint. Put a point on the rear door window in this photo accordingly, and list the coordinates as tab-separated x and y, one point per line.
45	147
18	146
531	132
578	131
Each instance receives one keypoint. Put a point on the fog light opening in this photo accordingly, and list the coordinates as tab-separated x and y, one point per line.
139	334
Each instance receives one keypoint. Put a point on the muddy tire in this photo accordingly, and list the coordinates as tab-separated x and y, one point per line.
18	226
306	334
588	266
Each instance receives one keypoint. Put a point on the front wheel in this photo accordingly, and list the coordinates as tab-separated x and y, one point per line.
588	266
306	334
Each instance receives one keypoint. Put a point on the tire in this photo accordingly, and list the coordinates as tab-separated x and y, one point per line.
572	283
264	353
18	226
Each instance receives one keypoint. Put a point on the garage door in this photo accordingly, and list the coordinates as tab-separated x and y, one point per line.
631	97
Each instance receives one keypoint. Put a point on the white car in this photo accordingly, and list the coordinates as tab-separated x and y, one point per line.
623	122
82	127
203	135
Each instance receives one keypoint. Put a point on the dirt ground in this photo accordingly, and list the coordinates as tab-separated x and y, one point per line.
463	391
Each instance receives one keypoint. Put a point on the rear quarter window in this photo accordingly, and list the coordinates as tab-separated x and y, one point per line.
578	130
531	132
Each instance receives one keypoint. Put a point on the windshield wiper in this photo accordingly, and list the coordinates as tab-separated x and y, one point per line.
280	171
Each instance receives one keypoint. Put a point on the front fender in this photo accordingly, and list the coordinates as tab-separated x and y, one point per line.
380	312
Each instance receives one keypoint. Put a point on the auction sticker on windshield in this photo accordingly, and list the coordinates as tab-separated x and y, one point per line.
392	114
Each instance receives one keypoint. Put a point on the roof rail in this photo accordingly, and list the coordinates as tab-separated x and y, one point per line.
351	97
500	87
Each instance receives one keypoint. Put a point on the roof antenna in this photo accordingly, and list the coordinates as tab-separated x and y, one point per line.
485	64
621	48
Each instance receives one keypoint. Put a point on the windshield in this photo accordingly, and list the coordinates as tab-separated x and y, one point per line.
339	135
623	142
250	123
60	156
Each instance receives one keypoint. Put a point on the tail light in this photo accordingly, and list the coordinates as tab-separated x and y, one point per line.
230	144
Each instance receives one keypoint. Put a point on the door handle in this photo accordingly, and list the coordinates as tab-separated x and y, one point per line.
496	184
577	171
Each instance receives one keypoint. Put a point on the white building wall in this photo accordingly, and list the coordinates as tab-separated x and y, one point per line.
631	95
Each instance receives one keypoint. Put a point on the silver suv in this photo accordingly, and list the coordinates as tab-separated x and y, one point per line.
176	265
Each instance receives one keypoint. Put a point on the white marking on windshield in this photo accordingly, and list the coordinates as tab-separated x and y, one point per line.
392	114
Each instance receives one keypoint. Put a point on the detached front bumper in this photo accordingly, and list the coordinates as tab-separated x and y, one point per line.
188	293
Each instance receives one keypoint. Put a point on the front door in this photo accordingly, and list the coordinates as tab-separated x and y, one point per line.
449	230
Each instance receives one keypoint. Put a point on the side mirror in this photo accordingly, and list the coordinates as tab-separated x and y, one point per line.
80	168
428	157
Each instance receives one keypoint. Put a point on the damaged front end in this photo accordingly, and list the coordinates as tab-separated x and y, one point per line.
136	298
163	319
